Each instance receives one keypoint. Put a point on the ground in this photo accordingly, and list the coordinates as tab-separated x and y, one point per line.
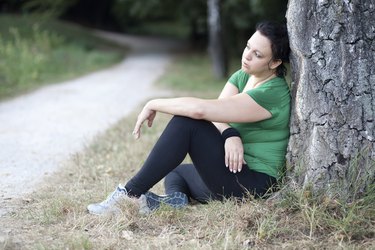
41	130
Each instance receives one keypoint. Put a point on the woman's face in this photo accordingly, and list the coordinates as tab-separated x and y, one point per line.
257	56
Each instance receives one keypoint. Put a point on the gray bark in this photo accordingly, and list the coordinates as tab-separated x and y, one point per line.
332	127
216	44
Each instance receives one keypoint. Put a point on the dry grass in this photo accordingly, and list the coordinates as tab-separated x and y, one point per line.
55	217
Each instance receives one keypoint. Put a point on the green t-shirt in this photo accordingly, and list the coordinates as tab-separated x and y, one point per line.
265	142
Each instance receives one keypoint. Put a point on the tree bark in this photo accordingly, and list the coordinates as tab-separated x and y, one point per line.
332	126
216	44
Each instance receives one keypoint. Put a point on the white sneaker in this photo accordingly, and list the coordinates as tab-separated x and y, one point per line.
143	206
111	204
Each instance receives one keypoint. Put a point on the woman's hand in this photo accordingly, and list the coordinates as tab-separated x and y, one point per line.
146	114
234	154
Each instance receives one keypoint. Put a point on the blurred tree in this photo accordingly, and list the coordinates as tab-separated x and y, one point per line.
95	14
236	21
269	9
241	16
196	19
130	13
48	8
237	18
10	6
216	40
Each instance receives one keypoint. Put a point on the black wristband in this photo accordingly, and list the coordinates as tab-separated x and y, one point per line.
230	132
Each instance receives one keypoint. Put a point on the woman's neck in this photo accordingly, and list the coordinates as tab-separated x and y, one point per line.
258	80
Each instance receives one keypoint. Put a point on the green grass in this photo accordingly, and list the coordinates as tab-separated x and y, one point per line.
55	218
35	52
192	74
163	29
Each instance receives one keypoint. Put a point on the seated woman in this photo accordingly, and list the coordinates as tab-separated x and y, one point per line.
237	143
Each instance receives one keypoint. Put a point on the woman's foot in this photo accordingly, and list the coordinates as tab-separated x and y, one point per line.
147	202
175	200
111	205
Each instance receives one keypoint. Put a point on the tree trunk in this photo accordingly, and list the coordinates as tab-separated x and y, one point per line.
332	127
215	39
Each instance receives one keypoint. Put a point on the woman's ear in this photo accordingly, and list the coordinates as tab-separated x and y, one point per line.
273	64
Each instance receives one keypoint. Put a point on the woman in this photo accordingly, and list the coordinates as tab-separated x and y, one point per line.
237	142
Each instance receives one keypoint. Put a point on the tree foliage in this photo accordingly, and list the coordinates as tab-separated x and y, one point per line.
238	16
237	19
49	8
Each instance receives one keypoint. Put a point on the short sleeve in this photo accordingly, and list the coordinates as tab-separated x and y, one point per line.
239	79
271	96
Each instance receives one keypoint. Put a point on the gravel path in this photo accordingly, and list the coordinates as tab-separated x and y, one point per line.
40	130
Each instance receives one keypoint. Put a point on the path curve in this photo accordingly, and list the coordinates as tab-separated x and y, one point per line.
40	130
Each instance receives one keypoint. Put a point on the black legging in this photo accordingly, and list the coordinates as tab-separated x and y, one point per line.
209	178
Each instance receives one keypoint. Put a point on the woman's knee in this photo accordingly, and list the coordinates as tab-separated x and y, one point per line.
187	121
171	177
175	175
174	182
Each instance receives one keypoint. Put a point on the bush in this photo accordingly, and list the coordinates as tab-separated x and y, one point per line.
23	60
33	53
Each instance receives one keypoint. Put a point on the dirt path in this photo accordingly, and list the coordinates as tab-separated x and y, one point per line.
39	131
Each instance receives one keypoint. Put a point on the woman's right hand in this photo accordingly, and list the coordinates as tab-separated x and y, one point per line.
146	114
234	154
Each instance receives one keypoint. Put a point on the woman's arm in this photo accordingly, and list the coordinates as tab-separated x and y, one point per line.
228	90
237	108
234	151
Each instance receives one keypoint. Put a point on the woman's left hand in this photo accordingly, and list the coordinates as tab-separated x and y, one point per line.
146	114
234	154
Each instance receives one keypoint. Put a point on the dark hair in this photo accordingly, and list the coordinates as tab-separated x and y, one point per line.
278	36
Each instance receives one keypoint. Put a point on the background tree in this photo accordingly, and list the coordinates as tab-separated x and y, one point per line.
216	40
332	128
46	8
188	18
241	16
97	14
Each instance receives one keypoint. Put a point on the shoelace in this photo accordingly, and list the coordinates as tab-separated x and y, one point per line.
113	197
